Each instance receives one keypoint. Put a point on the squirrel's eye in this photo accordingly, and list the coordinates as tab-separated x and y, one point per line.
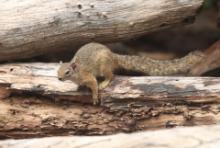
67	72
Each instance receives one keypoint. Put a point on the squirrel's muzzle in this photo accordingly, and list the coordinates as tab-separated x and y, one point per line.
61	79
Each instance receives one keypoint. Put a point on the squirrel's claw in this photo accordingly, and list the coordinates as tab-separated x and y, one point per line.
95	101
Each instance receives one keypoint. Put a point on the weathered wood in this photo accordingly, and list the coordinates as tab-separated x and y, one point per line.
42	77
41	105
197	137
29	28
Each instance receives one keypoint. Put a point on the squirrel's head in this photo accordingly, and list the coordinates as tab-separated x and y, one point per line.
66	71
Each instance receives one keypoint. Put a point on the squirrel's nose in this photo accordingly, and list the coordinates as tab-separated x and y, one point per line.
60	79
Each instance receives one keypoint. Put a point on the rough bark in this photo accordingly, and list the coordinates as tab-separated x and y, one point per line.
196	137
40	105
29	28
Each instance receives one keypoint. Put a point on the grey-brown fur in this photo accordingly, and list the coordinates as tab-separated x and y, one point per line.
154	67
94	59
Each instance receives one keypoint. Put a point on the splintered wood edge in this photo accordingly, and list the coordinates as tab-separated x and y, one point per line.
42	78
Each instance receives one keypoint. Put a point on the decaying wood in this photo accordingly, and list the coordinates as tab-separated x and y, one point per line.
196	137
41	105
29	28
210	62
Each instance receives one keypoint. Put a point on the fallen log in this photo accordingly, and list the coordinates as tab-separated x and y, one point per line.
30	28
41	105
199	137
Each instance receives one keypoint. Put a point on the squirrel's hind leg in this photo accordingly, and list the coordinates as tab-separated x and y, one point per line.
108	75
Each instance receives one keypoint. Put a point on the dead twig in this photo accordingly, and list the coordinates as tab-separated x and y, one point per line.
210	62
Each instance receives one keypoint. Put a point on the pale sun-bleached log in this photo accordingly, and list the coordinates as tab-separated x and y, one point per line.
29	28
196	137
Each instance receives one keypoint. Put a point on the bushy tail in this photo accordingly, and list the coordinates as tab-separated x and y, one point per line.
154	67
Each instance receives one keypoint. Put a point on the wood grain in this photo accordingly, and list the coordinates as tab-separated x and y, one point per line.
29	28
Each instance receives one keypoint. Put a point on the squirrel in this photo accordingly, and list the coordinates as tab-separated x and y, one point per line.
94	59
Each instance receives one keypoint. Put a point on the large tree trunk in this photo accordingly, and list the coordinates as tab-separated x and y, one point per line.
41	105
29	27
195	137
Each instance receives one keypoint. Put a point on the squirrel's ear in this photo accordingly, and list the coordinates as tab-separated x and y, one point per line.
73	65
77	61
61	62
